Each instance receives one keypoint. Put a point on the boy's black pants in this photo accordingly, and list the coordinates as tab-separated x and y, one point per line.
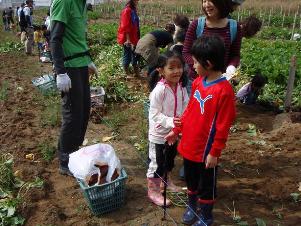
76	106
201	180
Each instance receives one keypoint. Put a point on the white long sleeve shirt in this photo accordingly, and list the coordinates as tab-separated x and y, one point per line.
165	104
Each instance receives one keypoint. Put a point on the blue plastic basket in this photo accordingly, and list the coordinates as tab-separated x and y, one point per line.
106	197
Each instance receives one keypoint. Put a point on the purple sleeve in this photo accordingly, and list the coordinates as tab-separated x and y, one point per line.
243	91
189	39
234	57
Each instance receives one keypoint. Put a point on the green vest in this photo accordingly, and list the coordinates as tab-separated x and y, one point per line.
74	15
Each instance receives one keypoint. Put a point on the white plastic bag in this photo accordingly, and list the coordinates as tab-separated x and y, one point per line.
82	162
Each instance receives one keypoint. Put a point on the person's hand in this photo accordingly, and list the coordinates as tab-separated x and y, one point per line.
171	137
92	69
177	121
63	82
211	161
230	72
128	44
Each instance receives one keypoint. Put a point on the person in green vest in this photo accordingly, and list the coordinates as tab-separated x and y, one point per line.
72	64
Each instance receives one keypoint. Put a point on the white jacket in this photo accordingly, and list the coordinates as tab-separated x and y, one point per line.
165	104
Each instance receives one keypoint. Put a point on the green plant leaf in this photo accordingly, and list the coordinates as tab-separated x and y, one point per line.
252	130
260	222
18	220
11	211
243	223
296	196
37	183
236	219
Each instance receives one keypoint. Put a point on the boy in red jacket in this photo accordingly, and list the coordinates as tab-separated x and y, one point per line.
205	127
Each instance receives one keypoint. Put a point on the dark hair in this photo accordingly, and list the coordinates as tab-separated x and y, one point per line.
209	48
131	3
89	7
170	28
36	27
250	26
180	36
162	61
181	21
224	7
259	80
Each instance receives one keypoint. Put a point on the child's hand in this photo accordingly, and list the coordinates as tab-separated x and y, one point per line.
171	138
177	121
211	161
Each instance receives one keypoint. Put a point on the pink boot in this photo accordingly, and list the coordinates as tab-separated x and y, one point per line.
154	193
170	185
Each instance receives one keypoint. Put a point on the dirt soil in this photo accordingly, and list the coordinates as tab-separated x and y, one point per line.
259	169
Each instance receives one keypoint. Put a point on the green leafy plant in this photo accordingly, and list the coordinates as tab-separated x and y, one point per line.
296	197
11	47
8	214
47	150
271	58
260	222
252	131
7	178
4	91
51	113
12	191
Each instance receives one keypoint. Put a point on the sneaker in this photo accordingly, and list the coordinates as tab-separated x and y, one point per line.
65	171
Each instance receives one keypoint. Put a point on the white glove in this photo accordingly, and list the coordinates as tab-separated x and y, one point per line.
92	69
63	82
230	72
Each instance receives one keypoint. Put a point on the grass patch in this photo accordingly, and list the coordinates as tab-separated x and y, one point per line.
11	47
4	91
7	178
51	114
131	124
47	150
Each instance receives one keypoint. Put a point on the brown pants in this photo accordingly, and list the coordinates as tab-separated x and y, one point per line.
146	47
29	40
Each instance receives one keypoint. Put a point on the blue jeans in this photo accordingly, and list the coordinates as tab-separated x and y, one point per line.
129	56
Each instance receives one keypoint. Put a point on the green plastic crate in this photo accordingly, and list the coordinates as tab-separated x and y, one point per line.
106	197
45	83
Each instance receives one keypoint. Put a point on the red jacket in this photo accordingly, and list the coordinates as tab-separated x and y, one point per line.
207	119
129	23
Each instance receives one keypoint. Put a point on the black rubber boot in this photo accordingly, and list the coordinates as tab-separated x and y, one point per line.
206	217
190	215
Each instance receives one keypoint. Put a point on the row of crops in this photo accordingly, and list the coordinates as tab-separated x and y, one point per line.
269	53
155	11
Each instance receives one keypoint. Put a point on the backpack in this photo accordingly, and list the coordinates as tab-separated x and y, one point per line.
201	25
22	22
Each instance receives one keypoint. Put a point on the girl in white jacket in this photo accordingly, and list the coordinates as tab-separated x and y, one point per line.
168	100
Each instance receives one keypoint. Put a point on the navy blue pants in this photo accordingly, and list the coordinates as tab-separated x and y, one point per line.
129	56
200	179
76	106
